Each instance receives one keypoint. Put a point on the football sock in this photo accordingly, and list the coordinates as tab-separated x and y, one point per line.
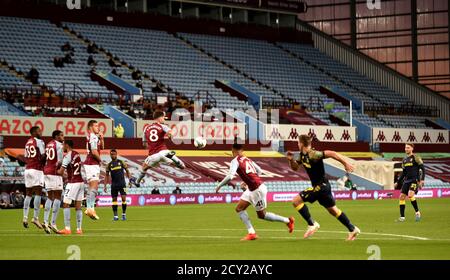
178	162
56	206
79	218
114	208
345	221
402	208
47	209
26	206
37	206
124	207
414	204
141	176
304	212
92	195
275	218
67	218
246	220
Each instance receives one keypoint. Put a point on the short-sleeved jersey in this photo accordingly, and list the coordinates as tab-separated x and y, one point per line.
92	144
117	168
72	163
154	137
313	163
247	170
54	156
413	169
34	149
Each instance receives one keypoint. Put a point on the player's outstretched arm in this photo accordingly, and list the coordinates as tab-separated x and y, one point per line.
292	162
233	169
332	154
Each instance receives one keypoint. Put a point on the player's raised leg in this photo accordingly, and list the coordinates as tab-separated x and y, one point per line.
259	200
90	200
144	169
175	160
303	210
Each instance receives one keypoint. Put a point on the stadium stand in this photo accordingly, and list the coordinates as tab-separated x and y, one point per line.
163	56
280	77
182	67
22	47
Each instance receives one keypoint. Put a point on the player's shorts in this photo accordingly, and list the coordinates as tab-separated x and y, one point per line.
258	197
33	178
73	192
321	193
160	157
410	186
116	190
53	182
91	172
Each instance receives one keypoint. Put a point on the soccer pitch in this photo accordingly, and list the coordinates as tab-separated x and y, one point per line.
213	232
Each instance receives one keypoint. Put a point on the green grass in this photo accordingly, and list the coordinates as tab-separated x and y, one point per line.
213	232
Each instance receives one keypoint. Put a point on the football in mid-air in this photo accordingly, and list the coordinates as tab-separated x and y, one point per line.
199	142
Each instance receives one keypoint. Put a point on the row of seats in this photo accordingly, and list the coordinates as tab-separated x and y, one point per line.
165	57
23	47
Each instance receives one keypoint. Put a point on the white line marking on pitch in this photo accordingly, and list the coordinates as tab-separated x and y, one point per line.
400	236
193	236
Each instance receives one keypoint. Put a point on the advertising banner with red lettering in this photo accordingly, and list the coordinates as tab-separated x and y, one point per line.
219	130
438	168
20	126
273	168
208	198
180	130
211	131
289	132
407	135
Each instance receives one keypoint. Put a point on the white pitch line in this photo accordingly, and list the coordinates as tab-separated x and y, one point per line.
400	236
192	236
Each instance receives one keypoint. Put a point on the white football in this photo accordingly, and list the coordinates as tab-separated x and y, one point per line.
199	142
